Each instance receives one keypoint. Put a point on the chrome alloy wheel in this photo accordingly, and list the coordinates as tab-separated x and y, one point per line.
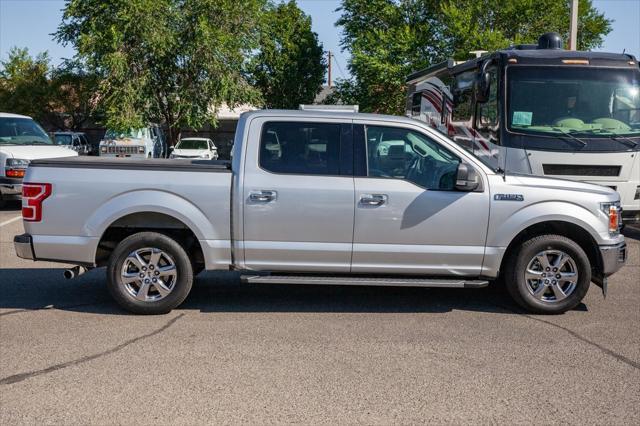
551	276
149	274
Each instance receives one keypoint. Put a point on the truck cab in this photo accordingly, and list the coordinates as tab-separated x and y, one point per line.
21	141
76	141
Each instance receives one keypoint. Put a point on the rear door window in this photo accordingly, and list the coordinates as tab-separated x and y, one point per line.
300	148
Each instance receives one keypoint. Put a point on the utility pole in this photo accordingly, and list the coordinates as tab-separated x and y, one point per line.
329	54
573	38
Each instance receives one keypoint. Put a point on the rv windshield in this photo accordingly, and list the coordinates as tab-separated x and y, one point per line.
575	108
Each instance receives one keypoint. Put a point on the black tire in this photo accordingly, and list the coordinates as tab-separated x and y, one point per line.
181	283
519	289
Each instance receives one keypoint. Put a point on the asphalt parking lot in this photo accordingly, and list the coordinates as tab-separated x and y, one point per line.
310	354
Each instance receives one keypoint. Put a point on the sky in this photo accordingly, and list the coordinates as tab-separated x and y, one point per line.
29	23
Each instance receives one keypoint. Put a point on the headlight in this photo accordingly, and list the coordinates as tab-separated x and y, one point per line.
613	211
141	149
15	167
103	149
17	163
207	156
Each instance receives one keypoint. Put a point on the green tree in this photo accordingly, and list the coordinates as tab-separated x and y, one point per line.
170	60
24	84
290	66
496	24
73	95
388	39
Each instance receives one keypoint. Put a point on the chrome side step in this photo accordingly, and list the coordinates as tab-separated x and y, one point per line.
367	281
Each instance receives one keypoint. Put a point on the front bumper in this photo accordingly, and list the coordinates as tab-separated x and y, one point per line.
24	246
124	155
613	258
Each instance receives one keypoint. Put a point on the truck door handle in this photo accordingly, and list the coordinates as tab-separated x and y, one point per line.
262	196
373	199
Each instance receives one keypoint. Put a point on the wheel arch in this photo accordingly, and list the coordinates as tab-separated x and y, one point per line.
576	233
143	221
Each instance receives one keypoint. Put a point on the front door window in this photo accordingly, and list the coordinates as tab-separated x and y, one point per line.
398	153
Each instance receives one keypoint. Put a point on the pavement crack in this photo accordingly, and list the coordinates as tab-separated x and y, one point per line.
583	339
24	376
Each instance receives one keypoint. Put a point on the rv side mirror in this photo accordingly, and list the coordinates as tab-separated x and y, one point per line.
482	86
467	178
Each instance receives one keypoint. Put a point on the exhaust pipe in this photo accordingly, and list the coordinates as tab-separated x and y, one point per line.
74	272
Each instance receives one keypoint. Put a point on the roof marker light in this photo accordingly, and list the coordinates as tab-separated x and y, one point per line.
576	61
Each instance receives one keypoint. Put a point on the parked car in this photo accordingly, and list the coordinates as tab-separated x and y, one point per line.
195	148
22	140
146	142
322	209
76	141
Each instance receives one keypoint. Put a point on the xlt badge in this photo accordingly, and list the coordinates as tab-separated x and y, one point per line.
508	197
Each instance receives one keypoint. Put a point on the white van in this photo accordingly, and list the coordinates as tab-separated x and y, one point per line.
22	140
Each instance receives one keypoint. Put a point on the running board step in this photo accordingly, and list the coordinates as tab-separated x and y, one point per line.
370	281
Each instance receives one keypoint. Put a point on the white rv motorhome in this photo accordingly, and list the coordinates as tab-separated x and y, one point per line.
542	110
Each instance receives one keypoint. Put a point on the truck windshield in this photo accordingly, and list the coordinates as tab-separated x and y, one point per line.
192	144
575	108
22	131
62	139
126	134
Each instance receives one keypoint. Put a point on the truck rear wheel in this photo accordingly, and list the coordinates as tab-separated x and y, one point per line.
149	273
548	274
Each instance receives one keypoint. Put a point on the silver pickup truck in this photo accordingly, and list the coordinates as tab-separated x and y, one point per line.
323	198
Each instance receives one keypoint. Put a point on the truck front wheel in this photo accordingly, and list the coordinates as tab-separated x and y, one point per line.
149	273
548	274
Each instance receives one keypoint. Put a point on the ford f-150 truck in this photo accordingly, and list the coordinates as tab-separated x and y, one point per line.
323	198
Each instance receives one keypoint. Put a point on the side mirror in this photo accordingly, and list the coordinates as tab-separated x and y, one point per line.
467	178
171	148
482	86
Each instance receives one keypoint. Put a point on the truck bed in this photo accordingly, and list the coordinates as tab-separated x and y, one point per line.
89	195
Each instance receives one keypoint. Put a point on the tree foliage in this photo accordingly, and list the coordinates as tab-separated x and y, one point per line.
169	60
388	39
24	84
74	95
60	97
289	67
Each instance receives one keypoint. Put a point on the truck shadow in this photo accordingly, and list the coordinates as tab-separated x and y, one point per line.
35	289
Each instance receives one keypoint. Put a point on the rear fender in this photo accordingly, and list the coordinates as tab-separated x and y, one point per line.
152	201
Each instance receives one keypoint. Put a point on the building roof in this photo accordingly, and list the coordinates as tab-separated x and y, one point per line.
323	94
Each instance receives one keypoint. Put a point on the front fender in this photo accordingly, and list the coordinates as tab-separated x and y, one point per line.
503	230
157	201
